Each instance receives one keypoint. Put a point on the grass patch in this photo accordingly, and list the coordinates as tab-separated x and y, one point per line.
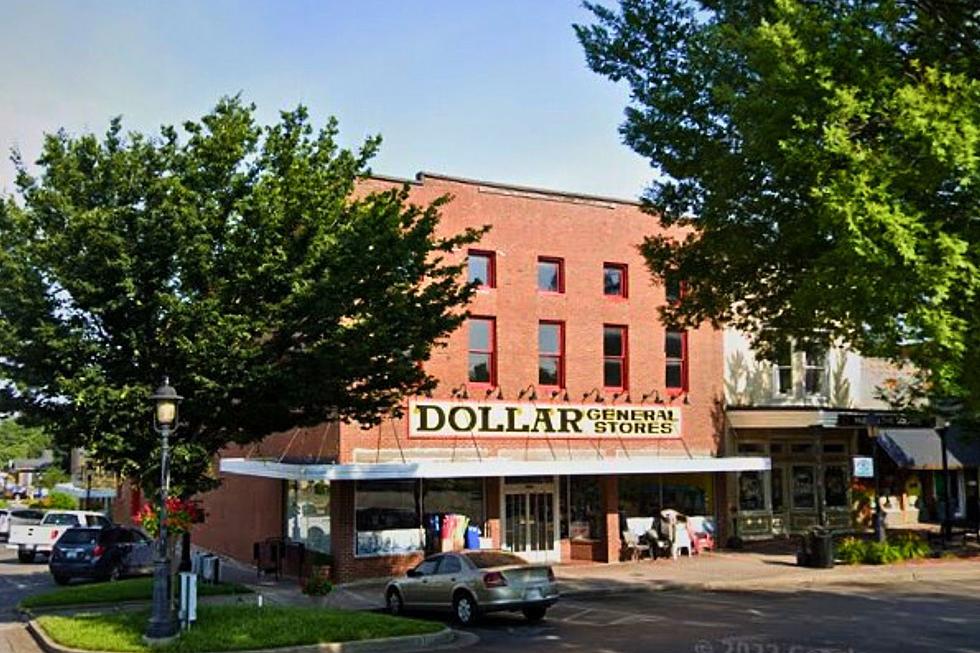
231	628
130	589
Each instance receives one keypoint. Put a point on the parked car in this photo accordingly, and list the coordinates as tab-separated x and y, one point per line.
473	583
11	516
31	539
101	554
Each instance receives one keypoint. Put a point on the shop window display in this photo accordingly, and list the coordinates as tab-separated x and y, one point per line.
451	496
308	514
835	486
581	508
387	518
751	491
647	495
803	487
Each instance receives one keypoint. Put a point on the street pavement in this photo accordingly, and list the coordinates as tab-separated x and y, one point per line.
16	582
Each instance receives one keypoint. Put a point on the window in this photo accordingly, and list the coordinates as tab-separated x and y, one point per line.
675	347
614	363
308	514
449	565
673	288
482	354
804	486
551	274
835	482
784	369
751	491
815	369
482	268
386	517
459	496
428	567
776	489
614	279
551	354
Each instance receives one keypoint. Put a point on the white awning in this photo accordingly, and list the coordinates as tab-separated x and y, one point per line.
488	467
81	492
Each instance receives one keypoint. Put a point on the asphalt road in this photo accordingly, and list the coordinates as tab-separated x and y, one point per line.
908	617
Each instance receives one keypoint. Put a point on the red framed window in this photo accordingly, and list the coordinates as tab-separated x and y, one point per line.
482	266
675	374
551	274
614	280
482	351
551	354
615	359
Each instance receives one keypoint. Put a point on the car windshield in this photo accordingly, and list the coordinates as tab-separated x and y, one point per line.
80	536
485	559
61	519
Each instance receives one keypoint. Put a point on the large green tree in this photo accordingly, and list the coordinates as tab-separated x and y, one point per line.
826	155
18	441
241	260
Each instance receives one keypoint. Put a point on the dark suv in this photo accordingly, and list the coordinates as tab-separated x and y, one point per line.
101	553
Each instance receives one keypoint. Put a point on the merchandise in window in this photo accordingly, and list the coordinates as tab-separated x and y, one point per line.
551	363
482	354
614	280
614	357
387	518
804	486
551	275
481	267
751	491
308	514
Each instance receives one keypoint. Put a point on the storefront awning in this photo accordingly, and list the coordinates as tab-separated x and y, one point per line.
488	467
922	449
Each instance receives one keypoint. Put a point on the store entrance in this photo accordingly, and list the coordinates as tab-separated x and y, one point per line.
529	518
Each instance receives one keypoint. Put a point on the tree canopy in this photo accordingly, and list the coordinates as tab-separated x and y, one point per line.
18	441
239	259
826	154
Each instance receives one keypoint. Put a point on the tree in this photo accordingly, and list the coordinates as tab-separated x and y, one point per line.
240	260
18	441
824	156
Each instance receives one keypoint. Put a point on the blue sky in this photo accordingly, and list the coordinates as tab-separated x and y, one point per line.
494	90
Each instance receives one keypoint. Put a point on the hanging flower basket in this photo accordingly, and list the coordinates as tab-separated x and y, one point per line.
181	515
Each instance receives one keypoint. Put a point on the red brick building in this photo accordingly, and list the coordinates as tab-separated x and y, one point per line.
564	407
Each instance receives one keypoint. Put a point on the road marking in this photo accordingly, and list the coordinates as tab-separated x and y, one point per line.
576	615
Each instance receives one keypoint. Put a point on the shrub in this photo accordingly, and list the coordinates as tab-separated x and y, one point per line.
3	503
852	551
881	553
56	501
318	583
912	547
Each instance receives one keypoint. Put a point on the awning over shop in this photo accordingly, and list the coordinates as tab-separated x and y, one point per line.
81	492
922	449
488	467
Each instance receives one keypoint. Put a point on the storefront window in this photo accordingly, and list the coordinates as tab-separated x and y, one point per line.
835	486
751	492
387	517
586	518
308	514
803	487
647	495
457	496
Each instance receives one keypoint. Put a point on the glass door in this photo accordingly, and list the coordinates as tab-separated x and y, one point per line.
529	521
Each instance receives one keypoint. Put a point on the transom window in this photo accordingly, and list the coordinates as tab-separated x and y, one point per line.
482	270
614	279
482	350
614	358
551	274
551	354
675	348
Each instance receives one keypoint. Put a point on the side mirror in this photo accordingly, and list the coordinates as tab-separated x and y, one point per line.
414	573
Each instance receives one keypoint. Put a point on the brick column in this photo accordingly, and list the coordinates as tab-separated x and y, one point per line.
342	530
609	486
493	511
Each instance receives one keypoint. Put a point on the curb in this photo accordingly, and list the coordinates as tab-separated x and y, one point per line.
440	639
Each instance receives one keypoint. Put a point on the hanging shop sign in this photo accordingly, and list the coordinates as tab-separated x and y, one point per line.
505	419
864	467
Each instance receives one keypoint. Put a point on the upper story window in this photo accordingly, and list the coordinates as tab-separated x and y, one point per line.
482	350
815	369
614	357
675	348
673	288
551	354
551	274
614	279
482	268
784	369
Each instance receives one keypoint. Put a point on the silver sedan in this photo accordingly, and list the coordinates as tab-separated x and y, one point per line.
472	583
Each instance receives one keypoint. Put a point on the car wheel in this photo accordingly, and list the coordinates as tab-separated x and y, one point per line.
394	602
61	579
534	614
25	555
464	609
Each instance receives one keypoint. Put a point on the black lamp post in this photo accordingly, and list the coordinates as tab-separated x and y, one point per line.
942	429
879	518
162	624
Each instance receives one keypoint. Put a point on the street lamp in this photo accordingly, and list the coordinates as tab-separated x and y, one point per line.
942	429
879	518
162	624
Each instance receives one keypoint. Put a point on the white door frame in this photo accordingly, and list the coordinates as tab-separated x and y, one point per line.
545	555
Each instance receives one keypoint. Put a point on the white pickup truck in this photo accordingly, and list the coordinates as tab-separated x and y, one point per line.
31	539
